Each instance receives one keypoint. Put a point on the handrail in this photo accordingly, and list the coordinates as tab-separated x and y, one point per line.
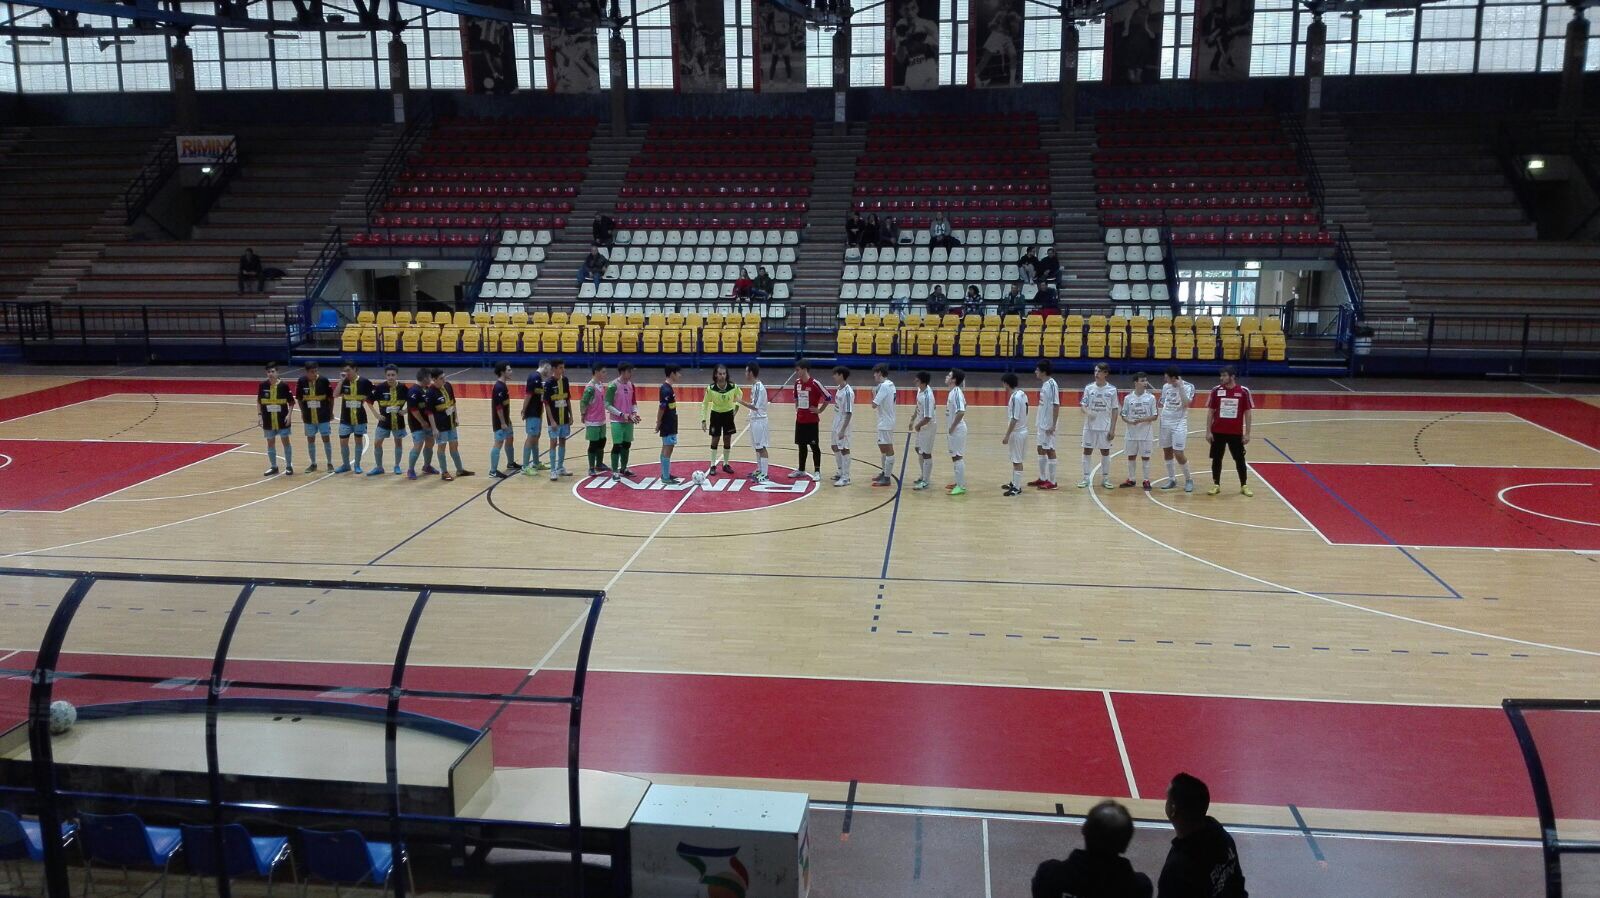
1172	268
1355	283
1307	161
148	182
213	182
1585	153
378	191
322	267
1506	147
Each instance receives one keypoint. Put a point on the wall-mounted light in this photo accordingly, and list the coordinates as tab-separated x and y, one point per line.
1399	14
1535	165
29	42
282	36
414	265
205	169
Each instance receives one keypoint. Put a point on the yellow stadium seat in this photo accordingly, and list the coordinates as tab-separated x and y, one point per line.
1276	349
449	338
1183	346
845	340
872	322
369	339
927	341
967	341
944	342
1035	322
366	316
519	319
864	341
576	319
569	339
423	317
1230	346
557	319
749	339
350	338
1162	346
461	319
541	318
950	321
391	339
630	340
1205	347
989	344
402	319
471	338
1072	339
429	341
611	340
501	319
891	321
650	341
671	340
1095	345
883	342
482	319
1116	344
384	319
411	339
1033	342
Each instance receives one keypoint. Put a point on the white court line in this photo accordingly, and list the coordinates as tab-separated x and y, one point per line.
1504	501
228	451
1149	494
1340	385
1339	602
226	489
1122	748
9	655
988	882
210	514
5	461
1255	471
1561	435
1529	383
45	411
173	401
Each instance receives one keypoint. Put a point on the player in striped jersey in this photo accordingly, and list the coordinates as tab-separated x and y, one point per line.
760	427
923	426
390	399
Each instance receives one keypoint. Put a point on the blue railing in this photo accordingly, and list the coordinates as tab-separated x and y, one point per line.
1355	283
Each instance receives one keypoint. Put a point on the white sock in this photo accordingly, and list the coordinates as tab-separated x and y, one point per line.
761	465
1016	479
927	469
888	466
1051	466
844	465
1105	466
961	473
1186	474
1088	466
1172	470
1145	464
1131	460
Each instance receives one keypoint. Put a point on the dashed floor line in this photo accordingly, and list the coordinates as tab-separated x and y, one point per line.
1200	643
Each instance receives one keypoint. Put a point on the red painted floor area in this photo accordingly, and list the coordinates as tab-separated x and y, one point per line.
56	475
1421	505
1314	754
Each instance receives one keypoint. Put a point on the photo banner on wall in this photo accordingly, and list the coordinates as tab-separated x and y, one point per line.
489	52
699	48
913	44
994	44
1133	42
1222	39
780	50
572	60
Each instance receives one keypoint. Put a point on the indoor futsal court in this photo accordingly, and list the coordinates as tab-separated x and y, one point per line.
951	679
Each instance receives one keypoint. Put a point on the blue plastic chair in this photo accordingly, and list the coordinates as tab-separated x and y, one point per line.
123	840
347	858
242	853
21	840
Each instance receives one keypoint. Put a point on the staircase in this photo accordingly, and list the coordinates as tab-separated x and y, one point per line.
1080	241
602	181
820	259
1344	204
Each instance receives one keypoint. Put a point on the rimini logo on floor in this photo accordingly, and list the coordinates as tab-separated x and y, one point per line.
721	492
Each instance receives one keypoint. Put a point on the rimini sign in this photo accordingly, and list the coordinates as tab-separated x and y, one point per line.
724	493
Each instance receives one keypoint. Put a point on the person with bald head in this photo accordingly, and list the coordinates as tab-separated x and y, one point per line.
1098	869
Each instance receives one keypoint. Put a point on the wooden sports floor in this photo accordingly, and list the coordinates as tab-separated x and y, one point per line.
1329	655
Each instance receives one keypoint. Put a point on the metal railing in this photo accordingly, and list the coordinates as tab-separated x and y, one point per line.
148	182
179	331
1355	283
1307	161
212	183
322	267
1552	841
395	163
1555	344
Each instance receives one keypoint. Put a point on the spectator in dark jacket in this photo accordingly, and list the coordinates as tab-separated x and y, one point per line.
972	303
250	270
1098	869
1048	271
853	229
938	303
1048	300
1203	862
1028	264
1013	303
889	232
872	231
762	288
593	267
939	234
605	228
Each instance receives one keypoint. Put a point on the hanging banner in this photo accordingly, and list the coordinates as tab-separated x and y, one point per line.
994	44
913	44
489	52
1222	39
572	60
699	49
1133	42
780	50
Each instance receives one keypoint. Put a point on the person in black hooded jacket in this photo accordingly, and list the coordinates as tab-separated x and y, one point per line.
1203	861
1098	869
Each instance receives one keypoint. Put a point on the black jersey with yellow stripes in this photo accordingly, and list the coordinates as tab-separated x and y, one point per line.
353	398
316	400
273	400
391	405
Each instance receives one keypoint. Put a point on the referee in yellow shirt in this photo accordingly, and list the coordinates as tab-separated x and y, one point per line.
722	399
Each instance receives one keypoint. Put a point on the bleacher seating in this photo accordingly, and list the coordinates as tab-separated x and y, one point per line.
471	177
1071	337
502	331
988	174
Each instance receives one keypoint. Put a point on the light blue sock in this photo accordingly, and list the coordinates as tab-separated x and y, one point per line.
361	449
397	450
272	455
494	458
344	453
327	450
311	447
288	453
455	455
563	463
415	451
666	466
427	457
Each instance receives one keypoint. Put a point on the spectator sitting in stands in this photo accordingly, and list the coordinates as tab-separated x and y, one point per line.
871	231
743	286
762	288
593	267
889	233
939	232
1048	301
972	303
937	301
250	270
1098	869
1014	303
604	230
1048	269
1203	862
854	227
1028	264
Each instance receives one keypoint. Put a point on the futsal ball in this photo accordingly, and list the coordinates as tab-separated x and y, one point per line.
62	716
700	478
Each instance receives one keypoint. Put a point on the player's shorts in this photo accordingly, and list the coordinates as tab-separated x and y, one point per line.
925	437
502	433
805	432
1097	439
560	431
419	437
958	441
669	439
595	433
1018	447
1138	448
621	433
531	426
839	440
447	436
1175	436
1045	440
345	430
280	432
885	437
760	433
324	429
383	433
721	423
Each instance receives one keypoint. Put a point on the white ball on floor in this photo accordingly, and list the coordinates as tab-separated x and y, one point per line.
700	477
62	717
